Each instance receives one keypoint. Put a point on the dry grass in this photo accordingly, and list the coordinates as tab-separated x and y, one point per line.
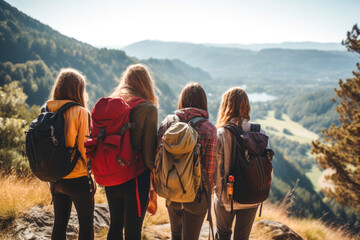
309	229
300	134
18	194
160	217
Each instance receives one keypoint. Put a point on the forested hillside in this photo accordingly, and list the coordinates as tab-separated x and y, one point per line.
33	53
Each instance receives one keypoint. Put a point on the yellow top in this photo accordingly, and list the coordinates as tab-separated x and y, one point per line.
76	129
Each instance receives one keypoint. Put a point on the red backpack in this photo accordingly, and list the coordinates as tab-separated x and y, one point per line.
109	149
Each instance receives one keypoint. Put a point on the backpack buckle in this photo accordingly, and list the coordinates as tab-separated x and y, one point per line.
52	136
120	161
247	155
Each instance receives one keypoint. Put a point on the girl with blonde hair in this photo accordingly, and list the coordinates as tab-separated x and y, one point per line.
135	82
74	188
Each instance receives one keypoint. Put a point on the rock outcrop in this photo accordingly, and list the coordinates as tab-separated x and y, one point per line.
36	224
276	230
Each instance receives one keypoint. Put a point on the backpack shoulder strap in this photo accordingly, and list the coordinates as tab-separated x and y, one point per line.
67	106
134	102
44	109
234	129
255	128
196	121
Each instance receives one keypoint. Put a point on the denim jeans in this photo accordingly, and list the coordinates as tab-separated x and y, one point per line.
224	220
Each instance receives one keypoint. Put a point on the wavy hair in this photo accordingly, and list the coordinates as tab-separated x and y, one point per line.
136	81
234	103
70	84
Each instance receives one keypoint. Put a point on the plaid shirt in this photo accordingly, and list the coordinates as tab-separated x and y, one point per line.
207	132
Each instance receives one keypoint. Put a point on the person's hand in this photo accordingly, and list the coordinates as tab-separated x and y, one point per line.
152	207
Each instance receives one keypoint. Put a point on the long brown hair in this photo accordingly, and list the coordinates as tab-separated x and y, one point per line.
70	84
136	81
193	95
234	103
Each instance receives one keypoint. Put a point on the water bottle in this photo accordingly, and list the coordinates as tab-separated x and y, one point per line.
230	186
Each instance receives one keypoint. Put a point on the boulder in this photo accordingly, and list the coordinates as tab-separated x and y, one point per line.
275	230
37	223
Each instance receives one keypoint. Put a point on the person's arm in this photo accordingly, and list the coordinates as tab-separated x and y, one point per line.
209	156
152	207
219	171
83	132
149	141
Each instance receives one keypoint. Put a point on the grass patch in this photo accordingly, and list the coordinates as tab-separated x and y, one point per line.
314	175
282	127
18	194
309	229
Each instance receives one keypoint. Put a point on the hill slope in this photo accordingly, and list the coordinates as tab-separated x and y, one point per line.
33	53
283	65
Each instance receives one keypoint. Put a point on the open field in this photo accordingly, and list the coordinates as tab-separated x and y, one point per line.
276	127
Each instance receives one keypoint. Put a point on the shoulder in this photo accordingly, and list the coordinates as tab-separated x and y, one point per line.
146	106
208	125
169	119
79	111
144	110
208	128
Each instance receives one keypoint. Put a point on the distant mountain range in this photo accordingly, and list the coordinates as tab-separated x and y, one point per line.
276	64
285	45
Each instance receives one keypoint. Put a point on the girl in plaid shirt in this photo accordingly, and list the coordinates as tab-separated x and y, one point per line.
186	218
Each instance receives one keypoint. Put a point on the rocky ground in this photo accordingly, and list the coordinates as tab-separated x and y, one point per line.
36	224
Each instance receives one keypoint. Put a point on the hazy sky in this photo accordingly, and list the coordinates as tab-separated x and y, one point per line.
117	22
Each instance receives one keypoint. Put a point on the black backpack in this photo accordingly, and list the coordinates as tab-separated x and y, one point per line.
251	165
49	158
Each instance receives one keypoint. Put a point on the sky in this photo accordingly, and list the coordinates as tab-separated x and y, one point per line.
117	23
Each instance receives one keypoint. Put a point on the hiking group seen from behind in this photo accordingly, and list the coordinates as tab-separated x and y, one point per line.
189	161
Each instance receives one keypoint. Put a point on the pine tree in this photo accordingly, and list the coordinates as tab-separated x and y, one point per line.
340	148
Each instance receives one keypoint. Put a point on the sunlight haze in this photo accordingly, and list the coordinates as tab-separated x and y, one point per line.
113	23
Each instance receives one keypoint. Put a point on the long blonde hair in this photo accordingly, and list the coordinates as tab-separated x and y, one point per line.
234	103
136	82
70	84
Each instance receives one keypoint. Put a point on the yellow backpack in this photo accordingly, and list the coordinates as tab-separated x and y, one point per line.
177	164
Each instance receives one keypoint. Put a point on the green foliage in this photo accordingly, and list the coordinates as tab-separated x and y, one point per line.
305	201
15	116
314	110
340	148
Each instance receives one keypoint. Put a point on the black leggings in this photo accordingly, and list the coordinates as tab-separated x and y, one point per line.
65	192
123	207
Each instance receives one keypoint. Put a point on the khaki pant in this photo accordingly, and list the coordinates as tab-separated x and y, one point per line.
186	219
224	219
